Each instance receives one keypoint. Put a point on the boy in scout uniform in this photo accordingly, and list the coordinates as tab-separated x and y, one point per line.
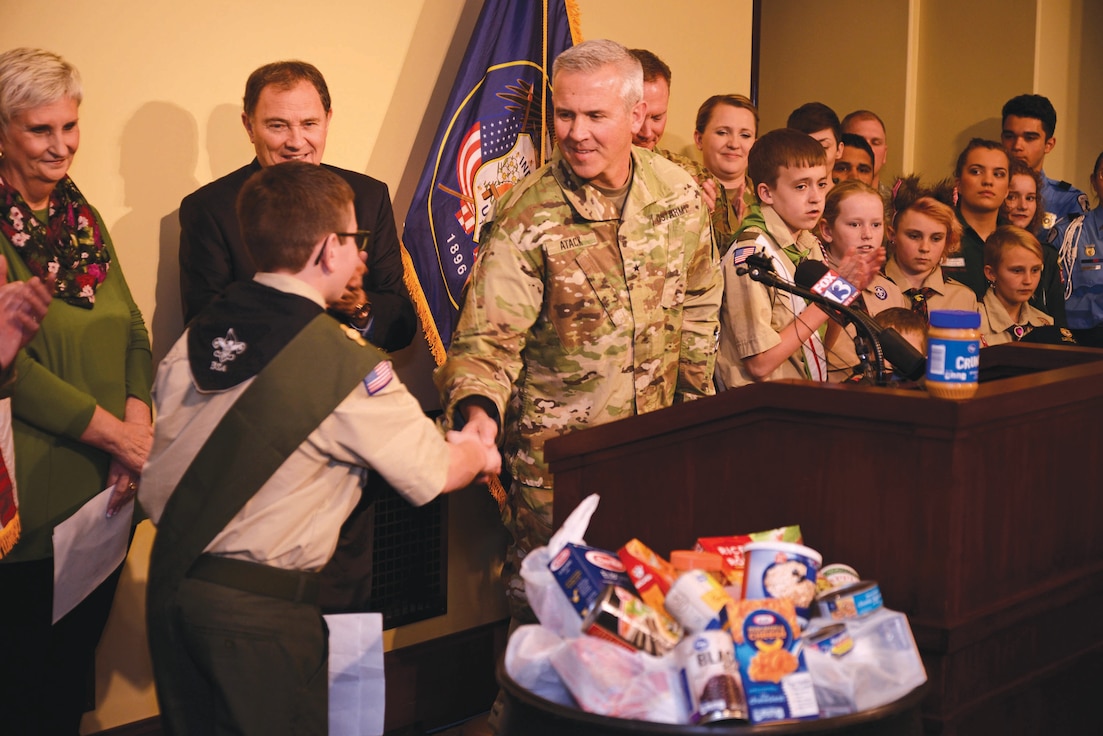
765	333
269	415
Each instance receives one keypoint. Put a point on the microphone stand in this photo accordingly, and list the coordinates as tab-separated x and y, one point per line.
871	356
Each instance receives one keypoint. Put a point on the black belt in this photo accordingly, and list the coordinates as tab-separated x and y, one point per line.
290	585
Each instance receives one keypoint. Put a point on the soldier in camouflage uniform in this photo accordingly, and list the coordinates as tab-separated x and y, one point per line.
656	93
595	295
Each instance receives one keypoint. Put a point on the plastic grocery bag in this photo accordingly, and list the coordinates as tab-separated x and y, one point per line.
883	666
611	680
546	598
528	662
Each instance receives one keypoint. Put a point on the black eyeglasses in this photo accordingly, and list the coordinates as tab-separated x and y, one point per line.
361	238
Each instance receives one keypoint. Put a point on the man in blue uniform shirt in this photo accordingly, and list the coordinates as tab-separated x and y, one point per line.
1028	125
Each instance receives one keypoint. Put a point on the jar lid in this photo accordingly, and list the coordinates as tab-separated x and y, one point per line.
955	319
687	559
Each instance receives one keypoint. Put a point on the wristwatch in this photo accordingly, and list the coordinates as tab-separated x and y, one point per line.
360	315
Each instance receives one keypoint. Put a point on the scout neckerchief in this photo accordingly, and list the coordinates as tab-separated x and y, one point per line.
919	297
813	354
69	246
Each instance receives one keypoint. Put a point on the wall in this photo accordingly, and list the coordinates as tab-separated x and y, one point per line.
938	71
848	54
1067	52
163	83
706	44
965	76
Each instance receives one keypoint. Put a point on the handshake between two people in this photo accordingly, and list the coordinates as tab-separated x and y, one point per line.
475	446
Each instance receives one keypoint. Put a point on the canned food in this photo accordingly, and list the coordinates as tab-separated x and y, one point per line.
833	639
620	617
710	676
852	601
836	575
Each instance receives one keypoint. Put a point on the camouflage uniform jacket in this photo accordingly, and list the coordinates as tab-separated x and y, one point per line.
575	317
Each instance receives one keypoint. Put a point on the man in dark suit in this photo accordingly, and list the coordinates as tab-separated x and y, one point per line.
287	114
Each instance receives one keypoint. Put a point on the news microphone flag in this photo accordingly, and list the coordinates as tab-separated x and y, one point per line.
495	131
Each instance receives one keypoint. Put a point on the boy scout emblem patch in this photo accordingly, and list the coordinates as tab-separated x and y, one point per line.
880	293
225	350
380	376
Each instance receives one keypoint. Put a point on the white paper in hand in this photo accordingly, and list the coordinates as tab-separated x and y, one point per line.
356	689
88	547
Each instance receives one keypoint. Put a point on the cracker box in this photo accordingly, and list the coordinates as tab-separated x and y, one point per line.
730	550
651	575
583	572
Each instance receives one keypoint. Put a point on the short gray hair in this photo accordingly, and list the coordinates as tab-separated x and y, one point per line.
590	56
30	78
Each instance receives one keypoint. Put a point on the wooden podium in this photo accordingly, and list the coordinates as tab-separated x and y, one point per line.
980	519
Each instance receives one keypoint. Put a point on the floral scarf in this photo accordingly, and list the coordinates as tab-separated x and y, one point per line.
69	246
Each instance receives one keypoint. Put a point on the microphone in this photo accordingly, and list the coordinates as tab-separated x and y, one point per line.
816	276
760	267
821	280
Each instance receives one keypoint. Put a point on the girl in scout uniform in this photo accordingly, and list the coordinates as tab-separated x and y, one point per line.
1013	267
854	218
925	232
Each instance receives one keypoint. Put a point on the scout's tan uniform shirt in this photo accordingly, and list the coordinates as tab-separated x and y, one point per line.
293	520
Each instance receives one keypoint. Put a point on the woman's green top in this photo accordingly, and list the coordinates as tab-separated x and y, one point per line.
79	358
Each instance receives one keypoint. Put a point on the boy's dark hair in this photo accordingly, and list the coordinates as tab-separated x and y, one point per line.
782	148
284	210
284	75
812	117
1032	106
850	140
974	144
653	67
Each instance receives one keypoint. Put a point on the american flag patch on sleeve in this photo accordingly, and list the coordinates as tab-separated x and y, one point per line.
378	379
742	253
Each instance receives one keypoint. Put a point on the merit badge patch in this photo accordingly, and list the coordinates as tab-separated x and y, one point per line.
880	293
378	379
225	350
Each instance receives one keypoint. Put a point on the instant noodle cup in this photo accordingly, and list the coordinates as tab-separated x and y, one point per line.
782	570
